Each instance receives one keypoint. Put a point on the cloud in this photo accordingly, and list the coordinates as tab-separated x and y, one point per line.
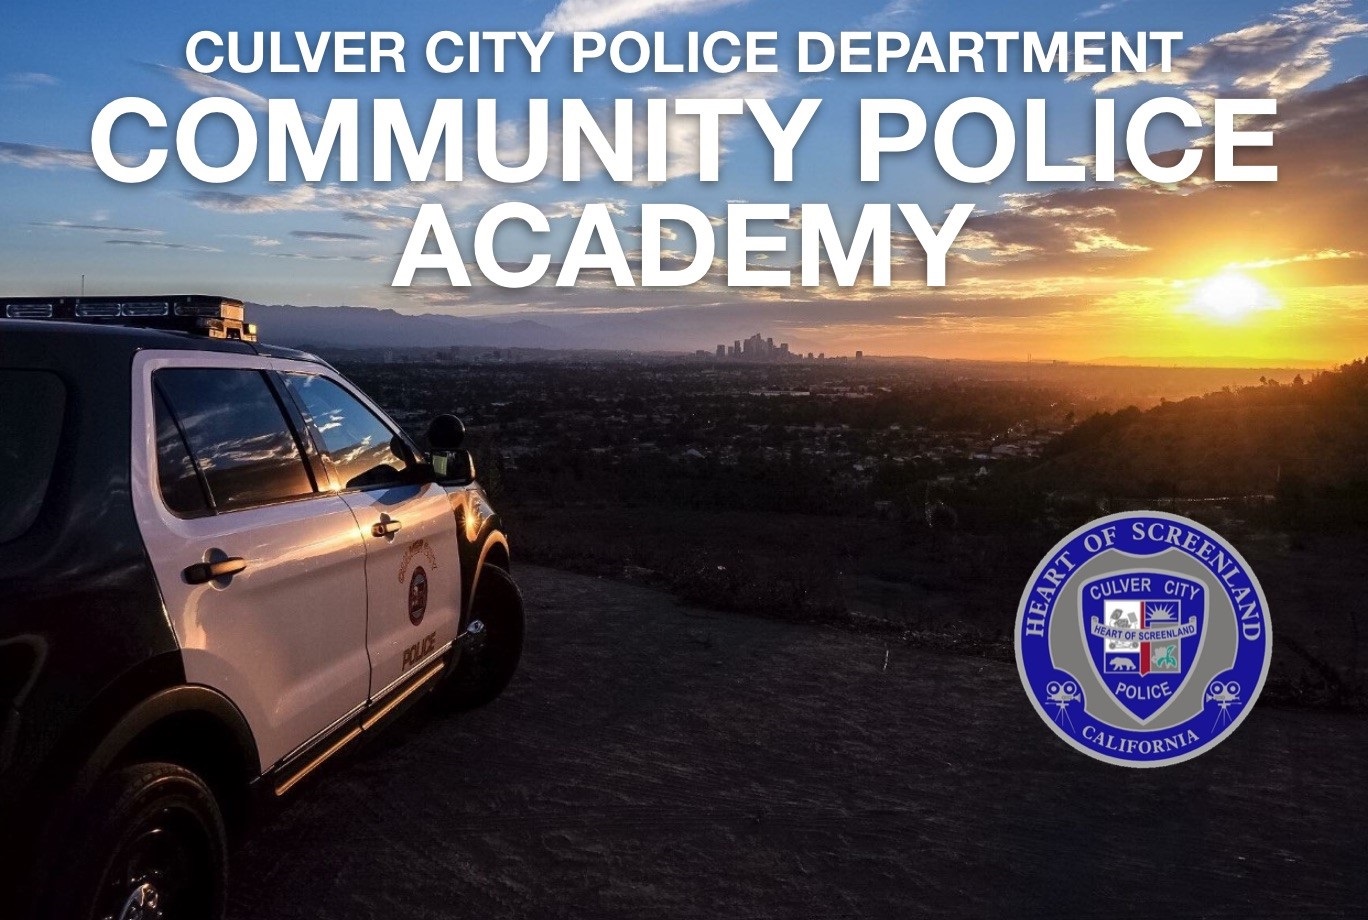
599	15
99	228
386	208
892	13
33	156
573	209
1322	255
1103	8
329	257
328	236
202	84
158	244
1278	56
681	132
299	198
1304	229
666	232
257	240
29	80
381	221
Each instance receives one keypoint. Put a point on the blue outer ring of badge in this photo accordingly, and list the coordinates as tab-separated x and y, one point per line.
1040	669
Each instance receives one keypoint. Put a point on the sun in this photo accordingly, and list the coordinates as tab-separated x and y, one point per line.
1230	297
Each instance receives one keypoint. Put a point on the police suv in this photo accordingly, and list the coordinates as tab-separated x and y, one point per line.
220	565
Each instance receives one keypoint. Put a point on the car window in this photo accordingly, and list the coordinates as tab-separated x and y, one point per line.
237	434
363	451
176	474
31	415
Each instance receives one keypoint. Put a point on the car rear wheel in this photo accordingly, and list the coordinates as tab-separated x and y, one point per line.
149	846
482	672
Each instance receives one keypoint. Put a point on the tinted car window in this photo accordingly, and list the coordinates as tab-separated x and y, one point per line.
237	435
32	404
180	483
362	449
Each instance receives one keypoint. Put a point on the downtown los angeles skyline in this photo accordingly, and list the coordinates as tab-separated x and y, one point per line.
1266	272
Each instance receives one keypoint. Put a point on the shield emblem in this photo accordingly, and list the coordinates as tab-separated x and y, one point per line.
1143	630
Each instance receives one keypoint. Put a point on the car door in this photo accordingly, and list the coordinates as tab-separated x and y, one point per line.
413	576
223	478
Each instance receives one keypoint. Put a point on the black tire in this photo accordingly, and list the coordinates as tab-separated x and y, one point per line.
149	832
482	673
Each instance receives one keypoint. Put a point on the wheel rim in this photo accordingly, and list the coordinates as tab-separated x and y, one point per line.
162	870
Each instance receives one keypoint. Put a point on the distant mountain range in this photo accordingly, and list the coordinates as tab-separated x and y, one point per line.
371	327
367	327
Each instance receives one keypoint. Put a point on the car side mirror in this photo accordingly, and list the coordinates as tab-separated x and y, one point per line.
453	467
451	462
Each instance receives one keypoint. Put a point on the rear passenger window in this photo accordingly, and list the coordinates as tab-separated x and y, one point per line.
176	474
237	435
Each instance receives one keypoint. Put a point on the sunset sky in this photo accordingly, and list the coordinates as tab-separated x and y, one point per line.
1262	272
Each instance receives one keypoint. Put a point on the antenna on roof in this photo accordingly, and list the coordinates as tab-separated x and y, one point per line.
83	285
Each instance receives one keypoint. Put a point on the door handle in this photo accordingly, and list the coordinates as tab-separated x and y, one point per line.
387	527
203	572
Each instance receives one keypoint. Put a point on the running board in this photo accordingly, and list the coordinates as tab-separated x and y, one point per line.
292	776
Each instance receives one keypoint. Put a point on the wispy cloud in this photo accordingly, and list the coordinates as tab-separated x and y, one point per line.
383	208
158	244
29	80
328	257
380	221
202	84
597	15
97	228
893	12
683	134
1280	55
34	156
1103	8
562	209
299	198
328	236
257	240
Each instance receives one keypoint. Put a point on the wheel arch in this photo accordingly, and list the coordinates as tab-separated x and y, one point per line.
494	551
192	726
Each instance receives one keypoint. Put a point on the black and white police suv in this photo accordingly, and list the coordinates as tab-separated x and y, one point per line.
220	565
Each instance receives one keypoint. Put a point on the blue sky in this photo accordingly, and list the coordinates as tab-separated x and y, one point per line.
60	62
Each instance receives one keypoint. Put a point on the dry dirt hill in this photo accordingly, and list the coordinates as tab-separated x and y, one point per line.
653	760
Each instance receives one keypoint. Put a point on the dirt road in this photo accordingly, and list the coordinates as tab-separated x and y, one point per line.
653	761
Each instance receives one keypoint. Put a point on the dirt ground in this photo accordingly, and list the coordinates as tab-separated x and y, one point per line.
651	760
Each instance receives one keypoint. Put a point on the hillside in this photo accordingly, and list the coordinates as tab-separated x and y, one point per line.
646	745
1254	440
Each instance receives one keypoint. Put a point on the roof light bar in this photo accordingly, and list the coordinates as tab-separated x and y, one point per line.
215	317
28	310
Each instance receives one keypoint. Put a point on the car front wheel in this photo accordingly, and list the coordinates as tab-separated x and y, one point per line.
482	672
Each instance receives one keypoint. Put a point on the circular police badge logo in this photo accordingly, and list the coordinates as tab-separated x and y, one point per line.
417	596
1143	639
